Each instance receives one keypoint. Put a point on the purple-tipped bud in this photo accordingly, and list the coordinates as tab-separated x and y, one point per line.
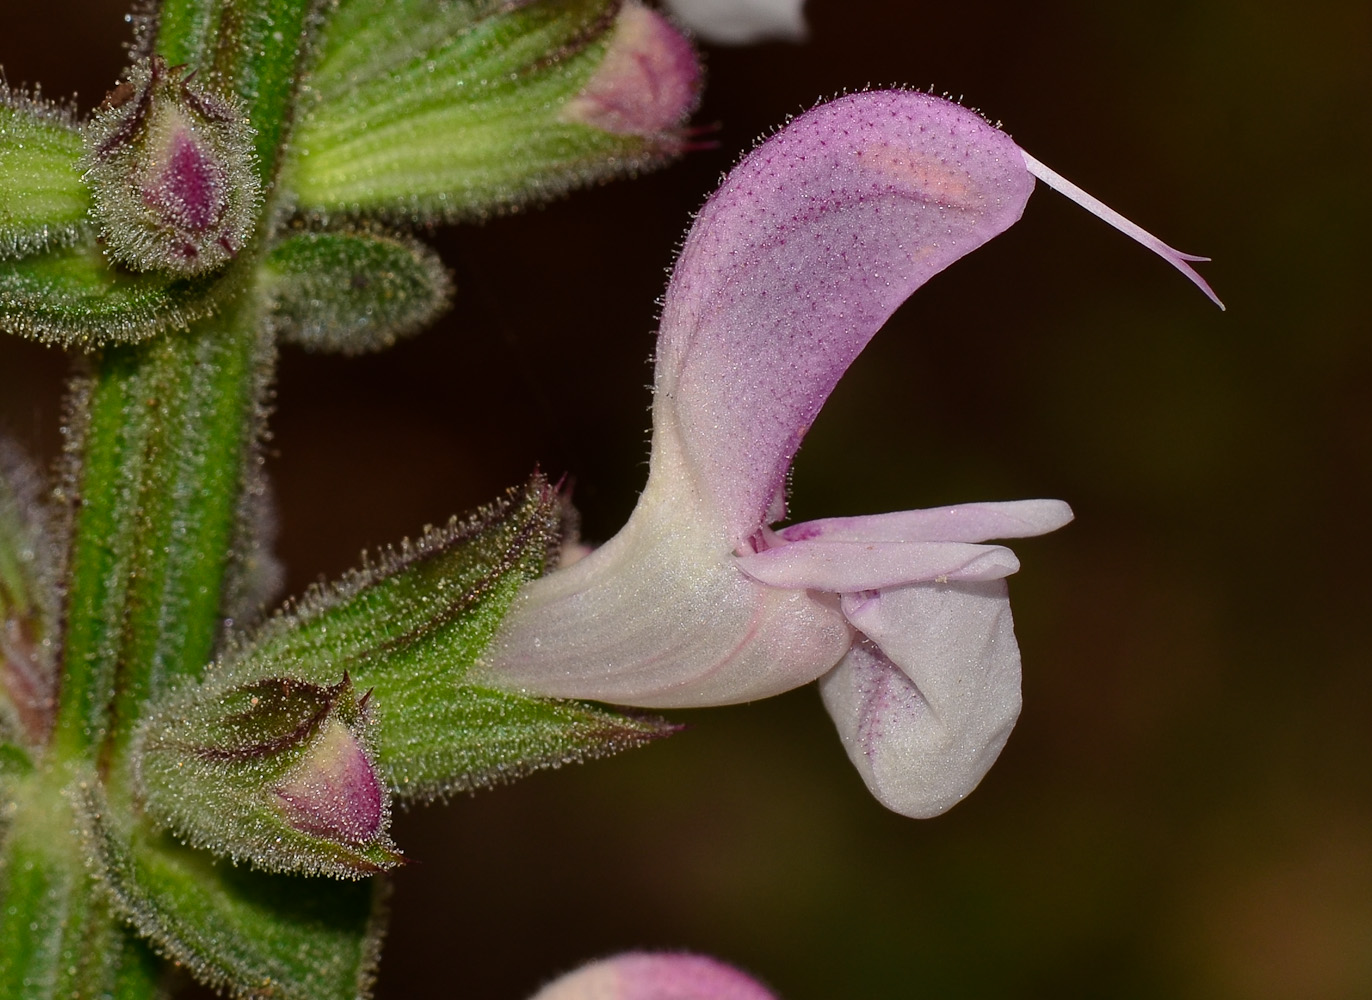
276	772
649	976
648	84
172	171
334	792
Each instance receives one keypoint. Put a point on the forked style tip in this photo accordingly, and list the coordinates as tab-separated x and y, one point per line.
1181	261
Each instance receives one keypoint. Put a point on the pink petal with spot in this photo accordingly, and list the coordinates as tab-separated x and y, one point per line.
796	262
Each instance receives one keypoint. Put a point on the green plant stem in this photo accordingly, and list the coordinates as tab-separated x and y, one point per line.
162	448
168	436
166	446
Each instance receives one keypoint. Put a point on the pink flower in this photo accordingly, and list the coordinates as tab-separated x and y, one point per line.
648	976
790	269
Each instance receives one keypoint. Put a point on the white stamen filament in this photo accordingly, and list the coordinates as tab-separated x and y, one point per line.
1181	261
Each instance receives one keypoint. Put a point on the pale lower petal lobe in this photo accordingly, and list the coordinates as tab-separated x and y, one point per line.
925	703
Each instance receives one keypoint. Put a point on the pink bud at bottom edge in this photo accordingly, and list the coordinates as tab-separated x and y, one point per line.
655	976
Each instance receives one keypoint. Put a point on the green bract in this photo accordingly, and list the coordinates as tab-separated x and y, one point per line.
75	297
352	292
237	929
454	109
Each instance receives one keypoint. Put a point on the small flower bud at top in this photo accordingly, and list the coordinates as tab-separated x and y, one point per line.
172	172
648	83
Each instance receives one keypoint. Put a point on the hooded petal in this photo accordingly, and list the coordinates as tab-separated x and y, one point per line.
798	259
926	702
790	268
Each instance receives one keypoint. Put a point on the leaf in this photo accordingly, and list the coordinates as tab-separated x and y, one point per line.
43	199
28	604
74	297
236	929
426	109
352	292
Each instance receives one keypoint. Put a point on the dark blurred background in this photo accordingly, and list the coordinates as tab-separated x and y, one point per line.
1185	810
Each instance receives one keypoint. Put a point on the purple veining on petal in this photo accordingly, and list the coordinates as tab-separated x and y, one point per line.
884	695
797	261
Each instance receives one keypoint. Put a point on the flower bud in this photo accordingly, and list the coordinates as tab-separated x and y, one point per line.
172	172
334	792
275	771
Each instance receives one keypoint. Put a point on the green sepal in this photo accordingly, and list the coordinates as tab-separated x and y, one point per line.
43	198
454	109
274	772
406	628
352	292
28	605
250	934
74	297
